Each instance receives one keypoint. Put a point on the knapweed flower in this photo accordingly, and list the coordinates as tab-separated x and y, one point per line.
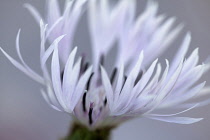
138	86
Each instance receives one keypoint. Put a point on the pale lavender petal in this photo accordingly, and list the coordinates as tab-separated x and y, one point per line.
174	114
68	72
180	54
108	87
56	78
57	23
178	120
186	96
73	79
34	74
49	51
145	78
120	80
37	78
47	99
125	96
53	12
80	88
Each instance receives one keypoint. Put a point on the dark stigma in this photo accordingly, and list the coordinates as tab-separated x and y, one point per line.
90	116
62	74
84	101
112	78
85	67
138	77
105	101
102	60
88	83
125	78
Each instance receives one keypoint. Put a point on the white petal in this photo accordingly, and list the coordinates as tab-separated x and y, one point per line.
166	89
191	61
153	81
45	96
159	35
204	91
50	30
80	89
169	115
108	87
200	104
56	78
187	95
125	95
34	74
68	72
43	28
180	54
146	96
172	36
145	78
37	78
49	51
171	83
73	79
52	95
120	81
53	11
189	79
178	120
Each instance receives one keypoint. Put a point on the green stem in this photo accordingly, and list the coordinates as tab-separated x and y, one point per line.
79	132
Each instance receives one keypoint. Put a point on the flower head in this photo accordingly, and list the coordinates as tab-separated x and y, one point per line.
138	85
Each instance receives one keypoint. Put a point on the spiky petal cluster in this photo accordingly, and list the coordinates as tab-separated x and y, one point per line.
93	97
176	85
60	23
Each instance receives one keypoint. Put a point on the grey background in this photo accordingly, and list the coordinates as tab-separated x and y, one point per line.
24	115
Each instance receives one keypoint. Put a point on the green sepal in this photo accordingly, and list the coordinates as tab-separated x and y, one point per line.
80	132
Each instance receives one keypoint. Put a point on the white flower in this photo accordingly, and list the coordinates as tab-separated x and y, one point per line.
95	99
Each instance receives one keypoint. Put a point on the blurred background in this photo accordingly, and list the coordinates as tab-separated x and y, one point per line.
24	115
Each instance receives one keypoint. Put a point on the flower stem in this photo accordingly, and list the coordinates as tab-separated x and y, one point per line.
79	132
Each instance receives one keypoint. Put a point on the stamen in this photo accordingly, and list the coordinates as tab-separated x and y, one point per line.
82	62
125	78
62	73
138	77
113	75
85	67
90	116
105	101
88	83
102	60
84	101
